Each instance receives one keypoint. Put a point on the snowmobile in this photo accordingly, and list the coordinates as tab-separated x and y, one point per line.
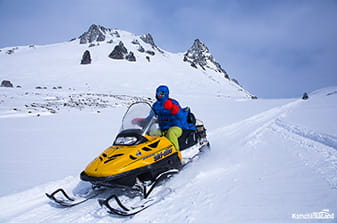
140	158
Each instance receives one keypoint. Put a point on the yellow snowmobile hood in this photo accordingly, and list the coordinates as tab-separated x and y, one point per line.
120	159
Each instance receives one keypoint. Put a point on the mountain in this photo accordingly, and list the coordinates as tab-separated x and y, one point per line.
95	33
199	55
114	60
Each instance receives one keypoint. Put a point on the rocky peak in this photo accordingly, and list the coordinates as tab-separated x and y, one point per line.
199	47
199	56
147	38
94	33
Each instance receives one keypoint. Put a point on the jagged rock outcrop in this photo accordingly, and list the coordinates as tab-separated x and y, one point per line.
119	52
147	38
6	83
150	52
130	57
199	55
95	33
86	58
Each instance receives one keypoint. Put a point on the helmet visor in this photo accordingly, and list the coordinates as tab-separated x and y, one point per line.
160	93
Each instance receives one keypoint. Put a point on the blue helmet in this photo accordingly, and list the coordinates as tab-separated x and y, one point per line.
162	93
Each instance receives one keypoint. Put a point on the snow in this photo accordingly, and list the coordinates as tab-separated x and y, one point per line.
270	160
264	165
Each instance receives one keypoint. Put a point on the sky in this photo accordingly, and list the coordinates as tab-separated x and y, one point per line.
275	49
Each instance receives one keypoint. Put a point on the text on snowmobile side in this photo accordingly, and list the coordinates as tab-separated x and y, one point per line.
161	154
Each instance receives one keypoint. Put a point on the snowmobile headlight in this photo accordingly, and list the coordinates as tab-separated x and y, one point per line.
128	140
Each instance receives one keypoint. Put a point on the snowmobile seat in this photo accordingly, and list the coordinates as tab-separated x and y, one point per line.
187	139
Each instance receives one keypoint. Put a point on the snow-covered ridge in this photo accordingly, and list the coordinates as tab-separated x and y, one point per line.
116	60
97	33
328	91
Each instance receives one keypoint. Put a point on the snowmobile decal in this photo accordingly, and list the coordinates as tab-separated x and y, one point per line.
162	154
148	156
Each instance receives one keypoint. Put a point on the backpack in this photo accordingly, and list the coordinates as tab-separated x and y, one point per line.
190	116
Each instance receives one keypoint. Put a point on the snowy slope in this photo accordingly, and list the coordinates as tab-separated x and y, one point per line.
59	65
271	161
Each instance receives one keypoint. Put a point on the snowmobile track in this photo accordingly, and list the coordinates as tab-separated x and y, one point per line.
325	139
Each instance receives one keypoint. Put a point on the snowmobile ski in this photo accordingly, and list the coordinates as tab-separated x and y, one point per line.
123	211
66	201
146	202
121	208
158	179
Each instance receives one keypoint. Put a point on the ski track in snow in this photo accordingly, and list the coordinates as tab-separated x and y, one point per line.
255	125
325	139
322	146
33	206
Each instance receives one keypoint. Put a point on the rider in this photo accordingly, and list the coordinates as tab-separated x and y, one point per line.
172	118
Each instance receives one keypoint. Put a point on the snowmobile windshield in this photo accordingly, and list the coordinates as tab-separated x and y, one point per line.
140	116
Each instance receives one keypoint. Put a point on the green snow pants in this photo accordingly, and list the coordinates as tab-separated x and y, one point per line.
173	134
